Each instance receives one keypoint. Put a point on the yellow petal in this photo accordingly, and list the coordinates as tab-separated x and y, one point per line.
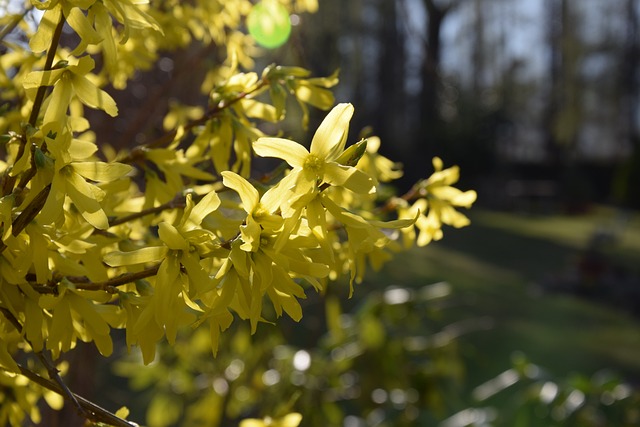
248	194
104	27
290	420
35	79
80	149
79	22
395	224
259	110
172	237
287	302
101	171
250	235
54	400
204	207
276	196
348	177
6	361
59	101
140	256
93	96
465	199
33	324
252	422
329	140
317	96
84	197
53	207
285	149
41	40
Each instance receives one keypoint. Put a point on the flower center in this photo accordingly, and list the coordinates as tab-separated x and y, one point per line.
260	212
314	164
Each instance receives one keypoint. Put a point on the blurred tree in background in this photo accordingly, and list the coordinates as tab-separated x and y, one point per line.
542	90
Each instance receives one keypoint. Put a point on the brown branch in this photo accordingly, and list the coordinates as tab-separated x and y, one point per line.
45	359
28	214
54	374
35	111
31	211
111	284
51	55
86	408
11	318
93	411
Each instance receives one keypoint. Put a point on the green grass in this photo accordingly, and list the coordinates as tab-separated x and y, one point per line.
494	266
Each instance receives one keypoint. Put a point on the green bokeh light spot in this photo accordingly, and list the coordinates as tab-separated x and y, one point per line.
269	24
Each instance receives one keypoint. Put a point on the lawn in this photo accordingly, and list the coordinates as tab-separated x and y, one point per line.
495	268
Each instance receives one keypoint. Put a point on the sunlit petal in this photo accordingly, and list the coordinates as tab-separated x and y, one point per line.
204	207
250	234
101	171
59	102
84	196
285	149
140	256
329	140
93	96
348	177
247	192
53	207
171	237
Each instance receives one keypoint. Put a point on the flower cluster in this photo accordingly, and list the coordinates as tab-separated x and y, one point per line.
177	232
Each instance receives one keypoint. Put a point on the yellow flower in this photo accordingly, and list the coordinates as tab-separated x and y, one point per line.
364	236
290	420
70	179
259	216
438	205
318	165
69	81
379	167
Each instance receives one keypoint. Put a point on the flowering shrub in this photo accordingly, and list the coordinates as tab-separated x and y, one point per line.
175	232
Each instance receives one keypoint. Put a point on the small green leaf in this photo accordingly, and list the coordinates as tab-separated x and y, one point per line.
40	158
352	155
60	64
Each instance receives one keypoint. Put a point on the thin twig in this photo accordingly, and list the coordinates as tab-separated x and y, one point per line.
54	374
45	359
86	408
28	214
95	412
31	211
37	104
109	285
51	55
11	318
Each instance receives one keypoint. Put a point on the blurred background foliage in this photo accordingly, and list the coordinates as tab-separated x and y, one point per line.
529	317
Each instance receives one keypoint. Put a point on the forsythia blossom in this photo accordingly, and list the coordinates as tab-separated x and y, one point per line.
181	231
